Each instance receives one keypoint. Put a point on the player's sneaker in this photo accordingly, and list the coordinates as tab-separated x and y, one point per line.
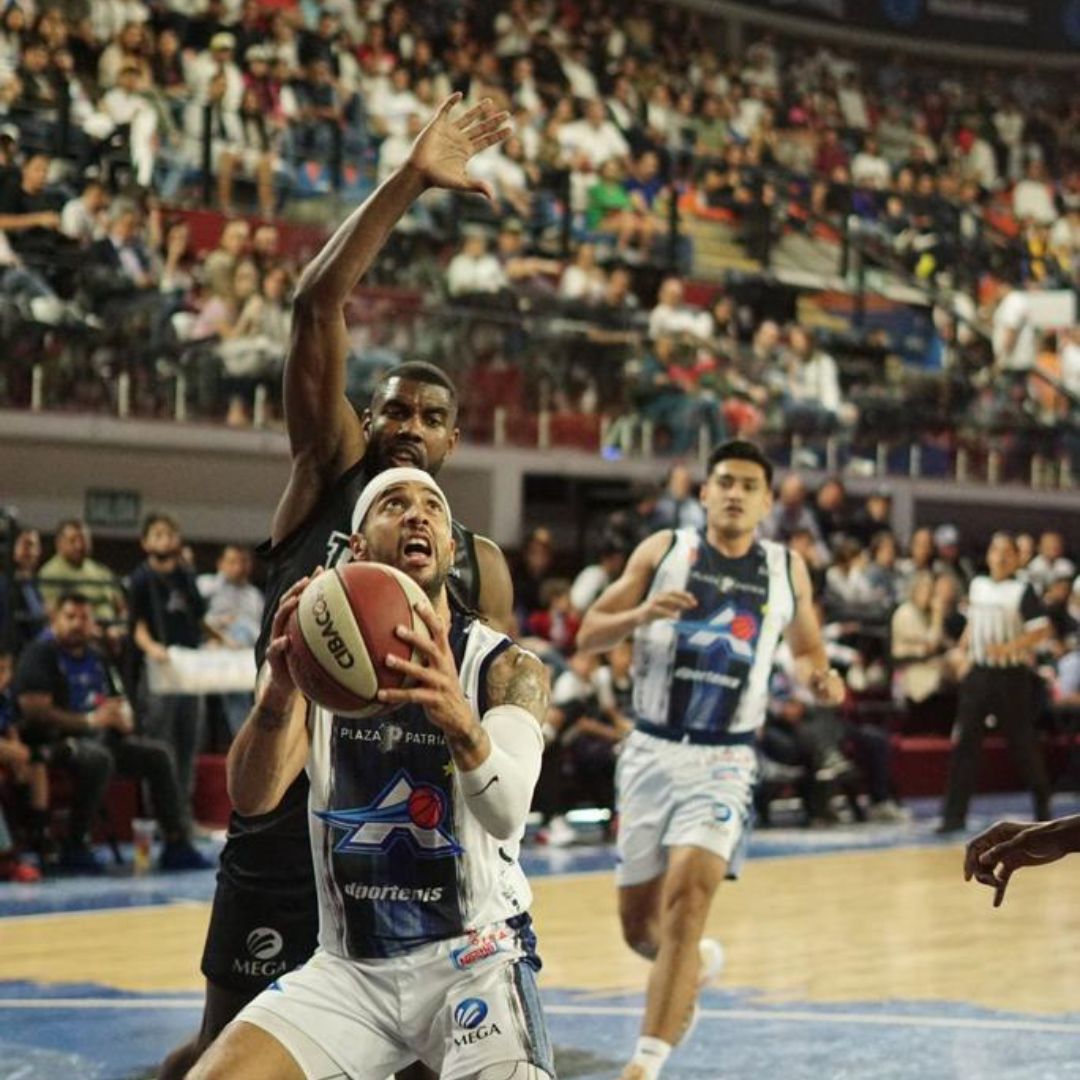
557	833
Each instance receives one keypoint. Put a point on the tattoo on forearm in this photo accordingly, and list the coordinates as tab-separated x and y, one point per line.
464	742
518	678
268	717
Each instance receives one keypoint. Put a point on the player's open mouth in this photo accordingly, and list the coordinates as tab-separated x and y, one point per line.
406	453
417	551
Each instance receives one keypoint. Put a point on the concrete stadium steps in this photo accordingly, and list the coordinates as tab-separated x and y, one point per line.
717	248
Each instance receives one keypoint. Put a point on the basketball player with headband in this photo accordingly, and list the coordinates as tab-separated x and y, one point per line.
264	919
426	947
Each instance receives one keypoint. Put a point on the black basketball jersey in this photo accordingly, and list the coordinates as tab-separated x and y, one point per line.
275	845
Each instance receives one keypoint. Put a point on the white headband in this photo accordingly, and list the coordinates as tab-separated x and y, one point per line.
388	479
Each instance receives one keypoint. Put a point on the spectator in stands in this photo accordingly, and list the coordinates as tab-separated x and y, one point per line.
28	615
474	271
220	265
83	218
234	609
791	513
29	214
537	559
27	776
814	401
556	622
948	558
1050	558
125	262
613	209
583	280
1033	197
589	730
130	109
920	558
217	91
919	644
71	703
1015	337
831	509
594	137
167	610
869	168
72	569
873	517
593	579
1056	600
671	318
669	399
850	595
679	506
882	572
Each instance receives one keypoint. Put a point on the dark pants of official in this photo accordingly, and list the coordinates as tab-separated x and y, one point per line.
1009	695
92	764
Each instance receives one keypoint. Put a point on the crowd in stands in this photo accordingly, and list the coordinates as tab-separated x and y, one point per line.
81	639
624	117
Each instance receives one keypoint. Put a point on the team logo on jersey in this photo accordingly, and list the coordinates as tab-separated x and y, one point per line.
264	943
731	630
470	1013
337	548
402	813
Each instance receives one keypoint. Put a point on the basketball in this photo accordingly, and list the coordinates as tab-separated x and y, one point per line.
342	632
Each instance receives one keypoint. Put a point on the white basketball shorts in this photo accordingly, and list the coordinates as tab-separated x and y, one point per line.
458	1005
672	794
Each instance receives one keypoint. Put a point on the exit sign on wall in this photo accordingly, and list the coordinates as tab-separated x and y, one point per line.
112	508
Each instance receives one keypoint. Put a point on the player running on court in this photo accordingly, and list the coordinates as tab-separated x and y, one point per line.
425	942
706	609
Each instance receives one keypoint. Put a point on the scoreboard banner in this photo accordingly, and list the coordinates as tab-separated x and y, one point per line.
1036	25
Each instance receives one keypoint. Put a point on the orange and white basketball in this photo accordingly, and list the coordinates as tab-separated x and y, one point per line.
342	632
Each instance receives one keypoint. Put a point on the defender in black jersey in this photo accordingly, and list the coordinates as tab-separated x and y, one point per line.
265	917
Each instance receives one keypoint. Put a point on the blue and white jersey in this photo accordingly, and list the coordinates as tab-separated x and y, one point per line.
708	672
399	859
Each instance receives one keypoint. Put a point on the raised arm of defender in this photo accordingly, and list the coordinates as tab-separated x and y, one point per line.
325	434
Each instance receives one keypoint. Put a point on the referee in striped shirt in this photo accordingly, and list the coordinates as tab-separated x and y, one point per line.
1005	624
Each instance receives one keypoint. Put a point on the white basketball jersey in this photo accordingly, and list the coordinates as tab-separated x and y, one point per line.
709	670
399	859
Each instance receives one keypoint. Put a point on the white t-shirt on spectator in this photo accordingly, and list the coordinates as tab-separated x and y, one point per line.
871	170
1014	313
466	274
853	106
581	80
393	151
1032	199
818	380
749	117
597	144
579	284
394	107
78	223
668	321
